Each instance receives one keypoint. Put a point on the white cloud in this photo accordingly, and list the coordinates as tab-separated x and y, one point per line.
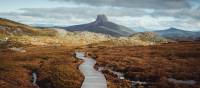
155	4
146	18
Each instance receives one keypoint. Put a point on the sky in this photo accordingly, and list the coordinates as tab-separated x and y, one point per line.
136	14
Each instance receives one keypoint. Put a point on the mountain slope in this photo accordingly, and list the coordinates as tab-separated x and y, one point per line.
149	36
137	39
102	25
178	34
9	27
14	28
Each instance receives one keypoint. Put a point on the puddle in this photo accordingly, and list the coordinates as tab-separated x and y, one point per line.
120	75
18	49
34	80
189	82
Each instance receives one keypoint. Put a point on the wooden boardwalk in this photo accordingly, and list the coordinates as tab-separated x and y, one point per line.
93	78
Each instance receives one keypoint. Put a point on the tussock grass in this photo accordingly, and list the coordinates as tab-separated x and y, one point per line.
153	63
55	67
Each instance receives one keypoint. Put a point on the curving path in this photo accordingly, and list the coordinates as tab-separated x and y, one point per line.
93	78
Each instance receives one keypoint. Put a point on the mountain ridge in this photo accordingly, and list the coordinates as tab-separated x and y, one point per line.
9	27
15	28
178	34
102	25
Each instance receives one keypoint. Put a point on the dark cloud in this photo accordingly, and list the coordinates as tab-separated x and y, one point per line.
153	4
147	18
181	14
82	12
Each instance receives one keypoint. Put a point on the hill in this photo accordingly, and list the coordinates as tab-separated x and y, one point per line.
9	27
102	25
178	34
27	35
137	39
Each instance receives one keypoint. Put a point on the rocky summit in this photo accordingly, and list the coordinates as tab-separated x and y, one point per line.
102	25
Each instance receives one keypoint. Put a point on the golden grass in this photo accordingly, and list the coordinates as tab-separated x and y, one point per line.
153	63
55	67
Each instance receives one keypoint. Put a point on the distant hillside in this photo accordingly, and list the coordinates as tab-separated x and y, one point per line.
102	25
14	28
27	35
137	39
149	36
8	27
179	35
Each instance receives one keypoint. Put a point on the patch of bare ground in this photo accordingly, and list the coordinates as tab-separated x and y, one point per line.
153	64
55	68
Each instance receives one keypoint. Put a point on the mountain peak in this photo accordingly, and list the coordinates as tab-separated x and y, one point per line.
172	28
104	26
101	18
